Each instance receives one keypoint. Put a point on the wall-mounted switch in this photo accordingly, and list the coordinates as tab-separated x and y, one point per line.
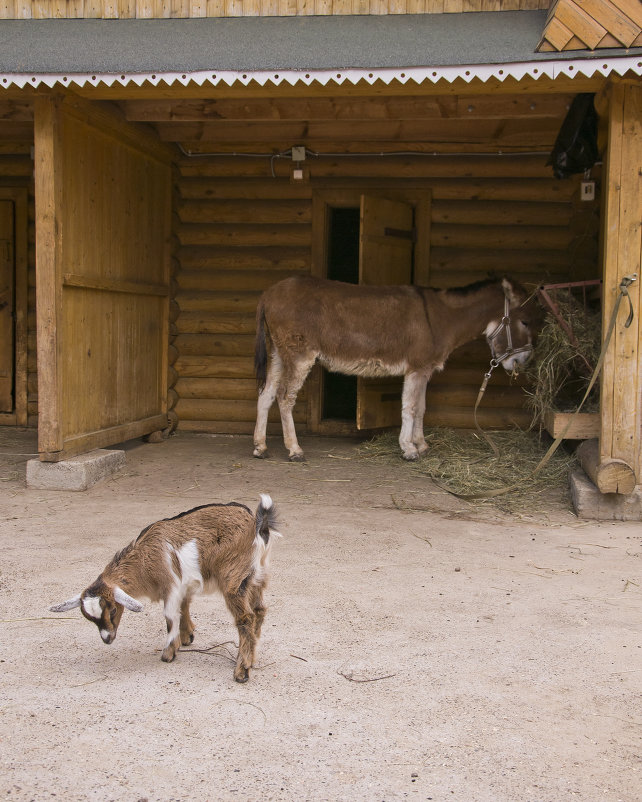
587	190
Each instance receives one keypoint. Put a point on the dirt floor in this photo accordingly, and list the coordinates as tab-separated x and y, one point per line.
416	646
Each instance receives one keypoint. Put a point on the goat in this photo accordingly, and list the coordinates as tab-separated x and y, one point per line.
213	547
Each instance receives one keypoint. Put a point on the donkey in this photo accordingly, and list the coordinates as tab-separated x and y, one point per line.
374	331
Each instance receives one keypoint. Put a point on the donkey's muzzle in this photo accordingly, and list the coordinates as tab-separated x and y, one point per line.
517	359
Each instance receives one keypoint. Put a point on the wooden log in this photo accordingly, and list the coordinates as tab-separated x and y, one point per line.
503	213
229	427
16	166
218	367
545	190
215	344
233	389
172	354
429	166
610	475
466	264
251	188
245	234
271	211
416	107
232	410
202	323
172	398
583	425
218	303
518	237
203	257
488	419
322	135
230	279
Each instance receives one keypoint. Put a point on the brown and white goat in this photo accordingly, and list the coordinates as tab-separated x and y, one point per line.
214	547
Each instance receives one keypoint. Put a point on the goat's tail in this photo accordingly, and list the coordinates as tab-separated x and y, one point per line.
260	348
266	520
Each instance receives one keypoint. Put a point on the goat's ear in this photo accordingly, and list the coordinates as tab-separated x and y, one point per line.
70	604
126	600
509	291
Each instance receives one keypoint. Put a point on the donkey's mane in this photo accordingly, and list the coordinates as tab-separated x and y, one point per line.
468	289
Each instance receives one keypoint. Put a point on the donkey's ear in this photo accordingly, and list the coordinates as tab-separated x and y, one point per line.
514	298
70	604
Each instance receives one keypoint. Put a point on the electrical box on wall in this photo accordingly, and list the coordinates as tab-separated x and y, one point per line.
587	190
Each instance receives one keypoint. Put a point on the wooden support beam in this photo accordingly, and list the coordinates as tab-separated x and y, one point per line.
48	193
621	396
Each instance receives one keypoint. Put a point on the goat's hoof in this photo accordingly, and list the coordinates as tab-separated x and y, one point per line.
168	655
297	457
187	639
242	675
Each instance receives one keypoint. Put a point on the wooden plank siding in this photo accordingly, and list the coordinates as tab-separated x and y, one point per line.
102	277
240	230
165	9
16	175
592	24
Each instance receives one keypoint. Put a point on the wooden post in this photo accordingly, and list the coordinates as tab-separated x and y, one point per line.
49	237
621	393
609	476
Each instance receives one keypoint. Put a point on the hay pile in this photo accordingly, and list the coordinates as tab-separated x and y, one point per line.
463	462
560	371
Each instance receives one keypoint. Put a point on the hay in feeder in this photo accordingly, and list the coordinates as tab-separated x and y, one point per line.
463	462
561	369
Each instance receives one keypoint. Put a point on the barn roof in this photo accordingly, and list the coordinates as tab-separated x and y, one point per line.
292	49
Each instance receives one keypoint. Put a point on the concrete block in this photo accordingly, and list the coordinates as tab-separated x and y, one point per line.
590	503
76	473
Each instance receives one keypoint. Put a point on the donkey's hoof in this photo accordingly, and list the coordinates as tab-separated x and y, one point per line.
260	453
413	457
297	457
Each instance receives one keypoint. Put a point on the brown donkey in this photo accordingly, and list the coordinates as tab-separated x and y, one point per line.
375	331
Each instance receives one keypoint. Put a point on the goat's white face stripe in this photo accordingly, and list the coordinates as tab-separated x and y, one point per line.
91	605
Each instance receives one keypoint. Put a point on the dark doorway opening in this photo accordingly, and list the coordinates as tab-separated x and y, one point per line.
339	391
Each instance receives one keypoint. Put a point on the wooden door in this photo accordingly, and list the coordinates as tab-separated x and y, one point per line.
7	335
103	211
385	257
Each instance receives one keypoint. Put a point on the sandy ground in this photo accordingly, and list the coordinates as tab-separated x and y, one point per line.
416	646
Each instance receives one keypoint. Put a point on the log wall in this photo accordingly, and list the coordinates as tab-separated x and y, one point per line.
241	229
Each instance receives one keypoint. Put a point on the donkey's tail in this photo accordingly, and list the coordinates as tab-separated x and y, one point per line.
260	348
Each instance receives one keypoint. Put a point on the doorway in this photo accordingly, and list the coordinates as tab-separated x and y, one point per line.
340	391
371	233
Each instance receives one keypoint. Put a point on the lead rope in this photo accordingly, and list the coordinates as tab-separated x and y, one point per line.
624	291
494	362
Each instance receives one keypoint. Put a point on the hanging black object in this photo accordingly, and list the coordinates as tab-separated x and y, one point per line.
575	148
